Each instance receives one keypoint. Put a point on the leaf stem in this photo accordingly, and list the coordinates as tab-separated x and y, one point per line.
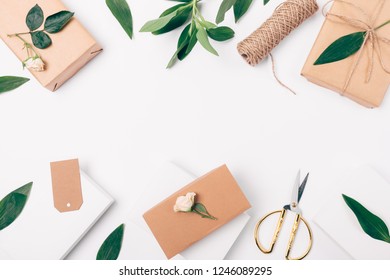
383	24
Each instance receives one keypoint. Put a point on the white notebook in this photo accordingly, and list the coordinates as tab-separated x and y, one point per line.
367	187
41	232
166	181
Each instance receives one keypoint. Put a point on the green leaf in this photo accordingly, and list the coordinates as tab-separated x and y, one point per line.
157	24
40	39
11	206
112	246
266	1
342	48
173	9
200	208
181	44
34	18
55	23
208	25
181	17
203	39
221	33
226	5
240	8
370	223
189	47
8	83
121	11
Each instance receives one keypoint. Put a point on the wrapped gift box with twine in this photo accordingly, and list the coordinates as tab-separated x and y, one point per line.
360	68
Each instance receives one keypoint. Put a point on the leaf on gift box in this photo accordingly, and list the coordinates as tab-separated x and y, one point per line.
182	15
203	39
226	5
11	206
342	48
34	18
8	83
240	8
55	23
370	223
112	246
121	11
221	33
40	39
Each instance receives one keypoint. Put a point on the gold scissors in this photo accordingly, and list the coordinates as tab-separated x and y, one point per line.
293	207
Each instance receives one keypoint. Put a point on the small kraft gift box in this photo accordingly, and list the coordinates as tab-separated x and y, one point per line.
351	55
71	48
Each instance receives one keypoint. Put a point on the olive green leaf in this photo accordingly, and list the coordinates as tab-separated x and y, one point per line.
157	24
221	33
226	5
181	45
11	206
342	48
183	13
188	47
55	23
121	11
203	39
370	223
34	18
266	1
112	246
240	8
40	39
201	210
8	83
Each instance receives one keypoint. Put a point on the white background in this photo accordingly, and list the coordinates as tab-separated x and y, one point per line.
124	115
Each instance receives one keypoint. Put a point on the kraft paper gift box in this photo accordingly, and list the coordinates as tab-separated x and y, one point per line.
176	231
335	75
71	48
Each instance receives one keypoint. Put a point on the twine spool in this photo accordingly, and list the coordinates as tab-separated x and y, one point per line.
287	17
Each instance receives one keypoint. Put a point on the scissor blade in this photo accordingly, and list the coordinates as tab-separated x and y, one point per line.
302	187
297	191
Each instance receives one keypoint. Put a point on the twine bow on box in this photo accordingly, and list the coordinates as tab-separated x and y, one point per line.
371	38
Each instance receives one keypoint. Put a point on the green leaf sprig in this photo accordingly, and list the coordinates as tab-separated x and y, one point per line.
111	247
345	46
197	30
53	24
121	11
11	206
8	83
370	223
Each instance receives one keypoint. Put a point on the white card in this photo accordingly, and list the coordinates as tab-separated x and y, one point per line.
166	181
339	222
41	231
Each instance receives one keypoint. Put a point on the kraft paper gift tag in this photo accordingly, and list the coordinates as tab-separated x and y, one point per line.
66	184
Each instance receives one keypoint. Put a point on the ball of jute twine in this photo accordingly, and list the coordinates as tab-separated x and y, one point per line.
286	17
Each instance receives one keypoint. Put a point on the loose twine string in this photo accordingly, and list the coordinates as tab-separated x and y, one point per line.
371	38
286	17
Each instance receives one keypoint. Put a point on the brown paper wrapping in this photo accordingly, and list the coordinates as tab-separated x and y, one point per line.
71	48
334	75
221	195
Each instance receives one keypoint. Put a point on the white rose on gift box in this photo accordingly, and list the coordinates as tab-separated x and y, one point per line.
187	203
35	64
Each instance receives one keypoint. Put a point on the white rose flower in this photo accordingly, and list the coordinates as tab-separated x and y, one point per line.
185	203
34	64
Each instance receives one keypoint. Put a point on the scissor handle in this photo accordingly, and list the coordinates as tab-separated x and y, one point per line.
276	233
294	229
